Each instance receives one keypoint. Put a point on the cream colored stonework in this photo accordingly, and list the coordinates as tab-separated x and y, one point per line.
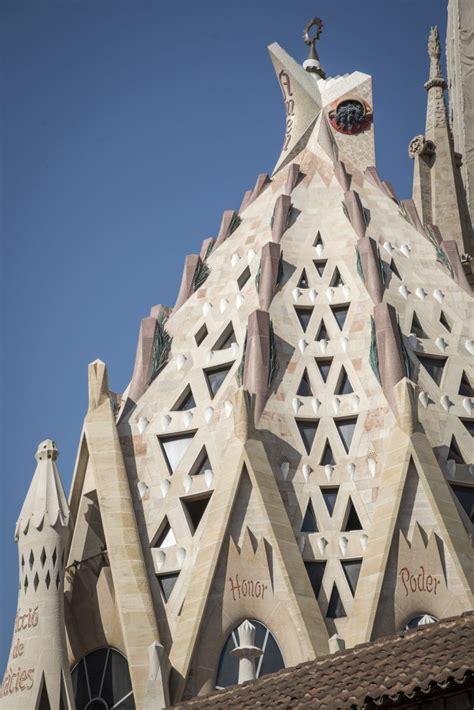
363	250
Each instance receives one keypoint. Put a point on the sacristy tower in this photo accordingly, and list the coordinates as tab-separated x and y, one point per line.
289	471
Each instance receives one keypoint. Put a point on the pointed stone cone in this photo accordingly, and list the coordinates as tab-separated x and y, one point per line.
157	696
389	348
191	263
230	220
280	217
343	177
38	667
246	651
291	178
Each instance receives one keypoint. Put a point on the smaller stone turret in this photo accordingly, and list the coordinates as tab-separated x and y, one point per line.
37	674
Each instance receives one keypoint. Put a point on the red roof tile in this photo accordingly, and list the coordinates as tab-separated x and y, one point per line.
406	665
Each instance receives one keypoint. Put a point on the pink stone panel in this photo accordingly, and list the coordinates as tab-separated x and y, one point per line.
412	213
205	247
450	248
280	216
291	178
354	207
257	359
371	269
226	222
269	263
389	349
186	288
141	370
343	177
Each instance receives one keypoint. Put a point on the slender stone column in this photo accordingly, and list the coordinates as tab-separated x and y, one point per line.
246	652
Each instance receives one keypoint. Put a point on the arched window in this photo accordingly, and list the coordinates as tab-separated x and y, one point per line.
420	620
101	681
270	661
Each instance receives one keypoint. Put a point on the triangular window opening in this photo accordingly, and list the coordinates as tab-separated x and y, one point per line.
336	607
215	377
330	497
44	703
303	282
433	365
346	428
394	270
226	339
202	464
304	390
465	495
469	424
336	279
344	385
454	453
201	334
324	365
340	314
167	582
174	448
318	240
195	509
322	333
166	536
416	328
328	457
444	322
309	524
304	316
352	519
315	572
307	429
243	278
465	387
320	265
352	571
185	402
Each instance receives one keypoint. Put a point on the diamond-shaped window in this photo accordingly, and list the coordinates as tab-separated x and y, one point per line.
43	557
174	448
352	571
36	581
324	365
47	579
304	389
215	377
31	559
304	316
344	385
346	428
340	314
330	497
315	572
307	429
186	401
309	524
336	607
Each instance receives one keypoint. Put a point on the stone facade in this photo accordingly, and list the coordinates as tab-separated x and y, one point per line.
290	468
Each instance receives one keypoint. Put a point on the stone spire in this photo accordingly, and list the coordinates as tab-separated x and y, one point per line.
436	110
438	191
37	673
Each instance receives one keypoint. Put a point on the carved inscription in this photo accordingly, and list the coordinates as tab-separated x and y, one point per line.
17	680
419	581
246	588
285	86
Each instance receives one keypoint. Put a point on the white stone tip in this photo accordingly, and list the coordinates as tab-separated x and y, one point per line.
47	449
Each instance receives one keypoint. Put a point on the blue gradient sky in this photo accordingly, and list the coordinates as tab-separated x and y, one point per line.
128	126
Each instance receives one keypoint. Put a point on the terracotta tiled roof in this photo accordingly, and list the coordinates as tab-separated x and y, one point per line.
407	665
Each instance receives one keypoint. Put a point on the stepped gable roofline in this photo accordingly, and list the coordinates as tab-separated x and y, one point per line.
419	663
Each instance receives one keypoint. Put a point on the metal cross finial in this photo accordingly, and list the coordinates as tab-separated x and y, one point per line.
312	64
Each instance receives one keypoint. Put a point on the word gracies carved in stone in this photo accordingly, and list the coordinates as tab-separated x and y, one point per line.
246	588
420	582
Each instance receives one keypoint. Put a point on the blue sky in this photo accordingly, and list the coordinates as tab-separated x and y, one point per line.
128	126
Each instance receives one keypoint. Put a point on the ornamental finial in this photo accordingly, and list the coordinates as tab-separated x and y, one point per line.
312	64
434	52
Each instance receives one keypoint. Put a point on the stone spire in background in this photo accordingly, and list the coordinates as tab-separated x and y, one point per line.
37	674
438	191
459	53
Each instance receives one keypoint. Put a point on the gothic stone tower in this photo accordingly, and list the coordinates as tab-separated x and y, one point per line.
288	471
